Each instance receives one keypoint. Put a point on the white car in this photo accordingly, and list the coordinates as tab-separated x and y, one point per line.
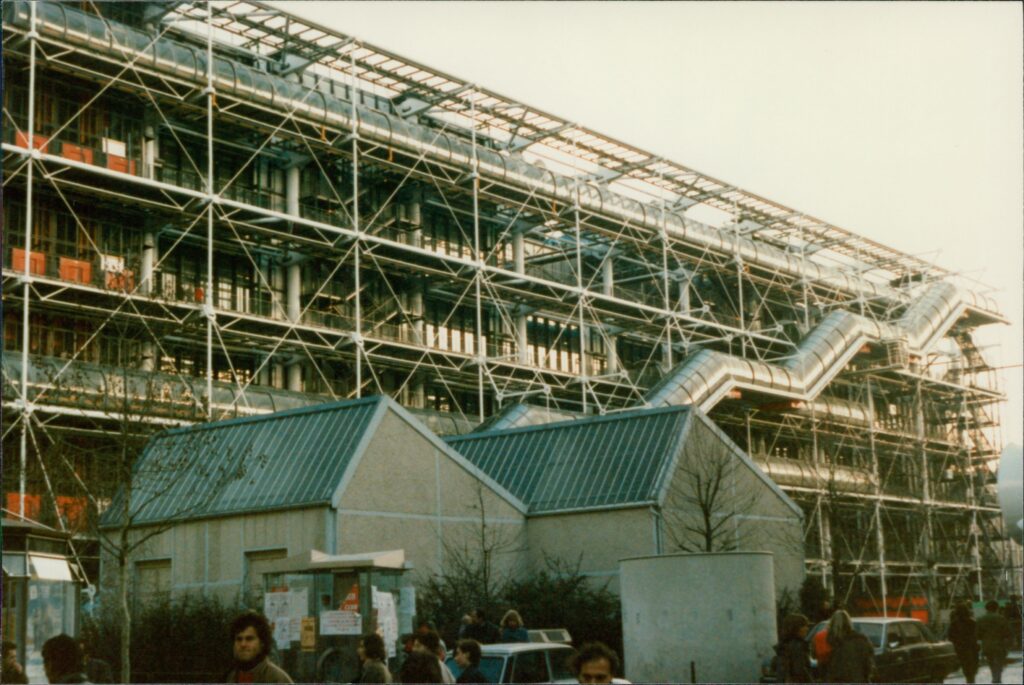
525	662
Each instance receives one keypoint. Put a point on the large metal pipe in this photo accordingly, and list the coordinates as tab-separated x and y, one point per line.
231	78
704	378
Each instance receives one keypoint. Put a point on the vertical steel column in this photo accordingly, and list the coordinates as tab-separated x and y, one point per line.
669	317
926	495
26	291
293	279
150	240
879	534
519	257
209	295
581	297
824	538
608	288
357	336
480	351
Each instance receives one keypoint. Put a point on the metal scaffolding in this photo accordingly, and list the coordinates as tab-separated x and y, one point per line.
373	225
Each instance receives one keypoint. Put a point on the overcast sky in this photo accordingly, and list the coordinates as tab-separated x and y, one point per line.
901	122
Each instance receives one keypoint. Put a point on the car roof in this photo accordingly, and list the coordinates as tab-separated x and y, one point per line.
516	647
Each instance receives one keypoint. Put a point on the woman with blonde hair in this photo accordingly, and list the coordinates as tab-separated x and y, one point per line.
512	629
851	658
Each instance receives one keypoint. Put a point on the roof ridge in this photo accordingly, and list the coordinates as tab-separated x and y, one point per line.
284	413
586	420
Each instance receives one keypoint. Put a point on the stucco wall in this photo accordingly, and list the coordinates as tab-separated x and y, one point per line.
596	540
209	555
406	493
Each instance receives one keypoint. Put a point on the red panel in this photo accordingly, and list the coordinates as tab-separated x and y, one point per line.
36	261
76	270
12	502
121	281
39	142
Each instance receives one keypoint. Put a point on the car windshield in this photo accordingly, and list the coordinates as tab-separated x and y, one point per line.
872	631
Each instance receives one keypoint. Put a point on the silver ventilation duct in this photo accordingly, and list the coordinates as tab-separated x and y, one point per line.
703	379
521	415
801	474
185	62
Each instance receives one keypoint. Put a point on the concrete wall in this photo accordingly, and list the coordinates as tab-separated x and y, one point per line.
714	610
407	493
597	540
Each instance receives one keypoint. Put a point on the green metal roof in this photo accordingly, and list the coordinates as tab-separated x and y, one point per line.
290	459
613	460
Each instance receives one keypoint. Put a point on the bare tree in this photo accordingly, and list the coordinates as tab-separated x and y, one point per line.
472	575
710	492
131	488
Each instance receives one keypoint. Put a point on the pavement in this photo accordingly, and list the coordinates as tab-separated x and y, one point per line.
1013	673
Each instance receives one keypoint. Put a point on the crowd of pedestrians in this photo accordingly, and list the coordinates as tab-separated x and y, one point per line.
844	655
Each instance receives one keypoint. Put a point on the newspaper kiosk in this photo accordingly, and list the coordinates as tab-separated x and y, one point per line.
320	604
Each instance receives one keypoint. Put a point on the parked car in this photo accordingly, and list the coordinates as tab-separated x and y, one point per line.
525	662
906	651
522	662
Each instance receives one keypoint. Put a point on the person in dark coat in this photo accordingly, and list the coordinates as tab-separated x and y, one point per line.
793	659
994	635
62	660
252	641
372	659
481	630
467	656
420	667
852	659
963	633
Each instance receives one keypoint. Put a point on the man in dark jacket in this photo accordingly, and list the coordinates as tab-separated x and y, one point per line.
62	660
252	642
994	635
467	656
12	670
481	629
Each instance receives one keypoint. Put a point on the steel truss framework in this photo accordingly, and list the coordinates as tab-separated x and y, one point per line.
199	251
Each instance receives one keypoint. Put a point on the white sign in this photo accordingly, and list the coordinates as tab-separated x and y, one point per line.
114	147
112	263
387	620
340	623
286	631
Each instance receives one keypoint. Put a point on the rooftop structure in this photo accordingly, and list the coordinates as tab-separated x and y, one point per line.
217	211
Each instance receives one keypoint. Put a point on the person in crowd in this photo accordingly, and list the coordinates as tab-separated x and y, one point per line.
407	640
467	656
372	659
62	660
481	630
252	641
963	633
425	626
466	621
512	629
12	671
595	663
97	670
430	643
794	661
1012	612
995	638
420	667
852	658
